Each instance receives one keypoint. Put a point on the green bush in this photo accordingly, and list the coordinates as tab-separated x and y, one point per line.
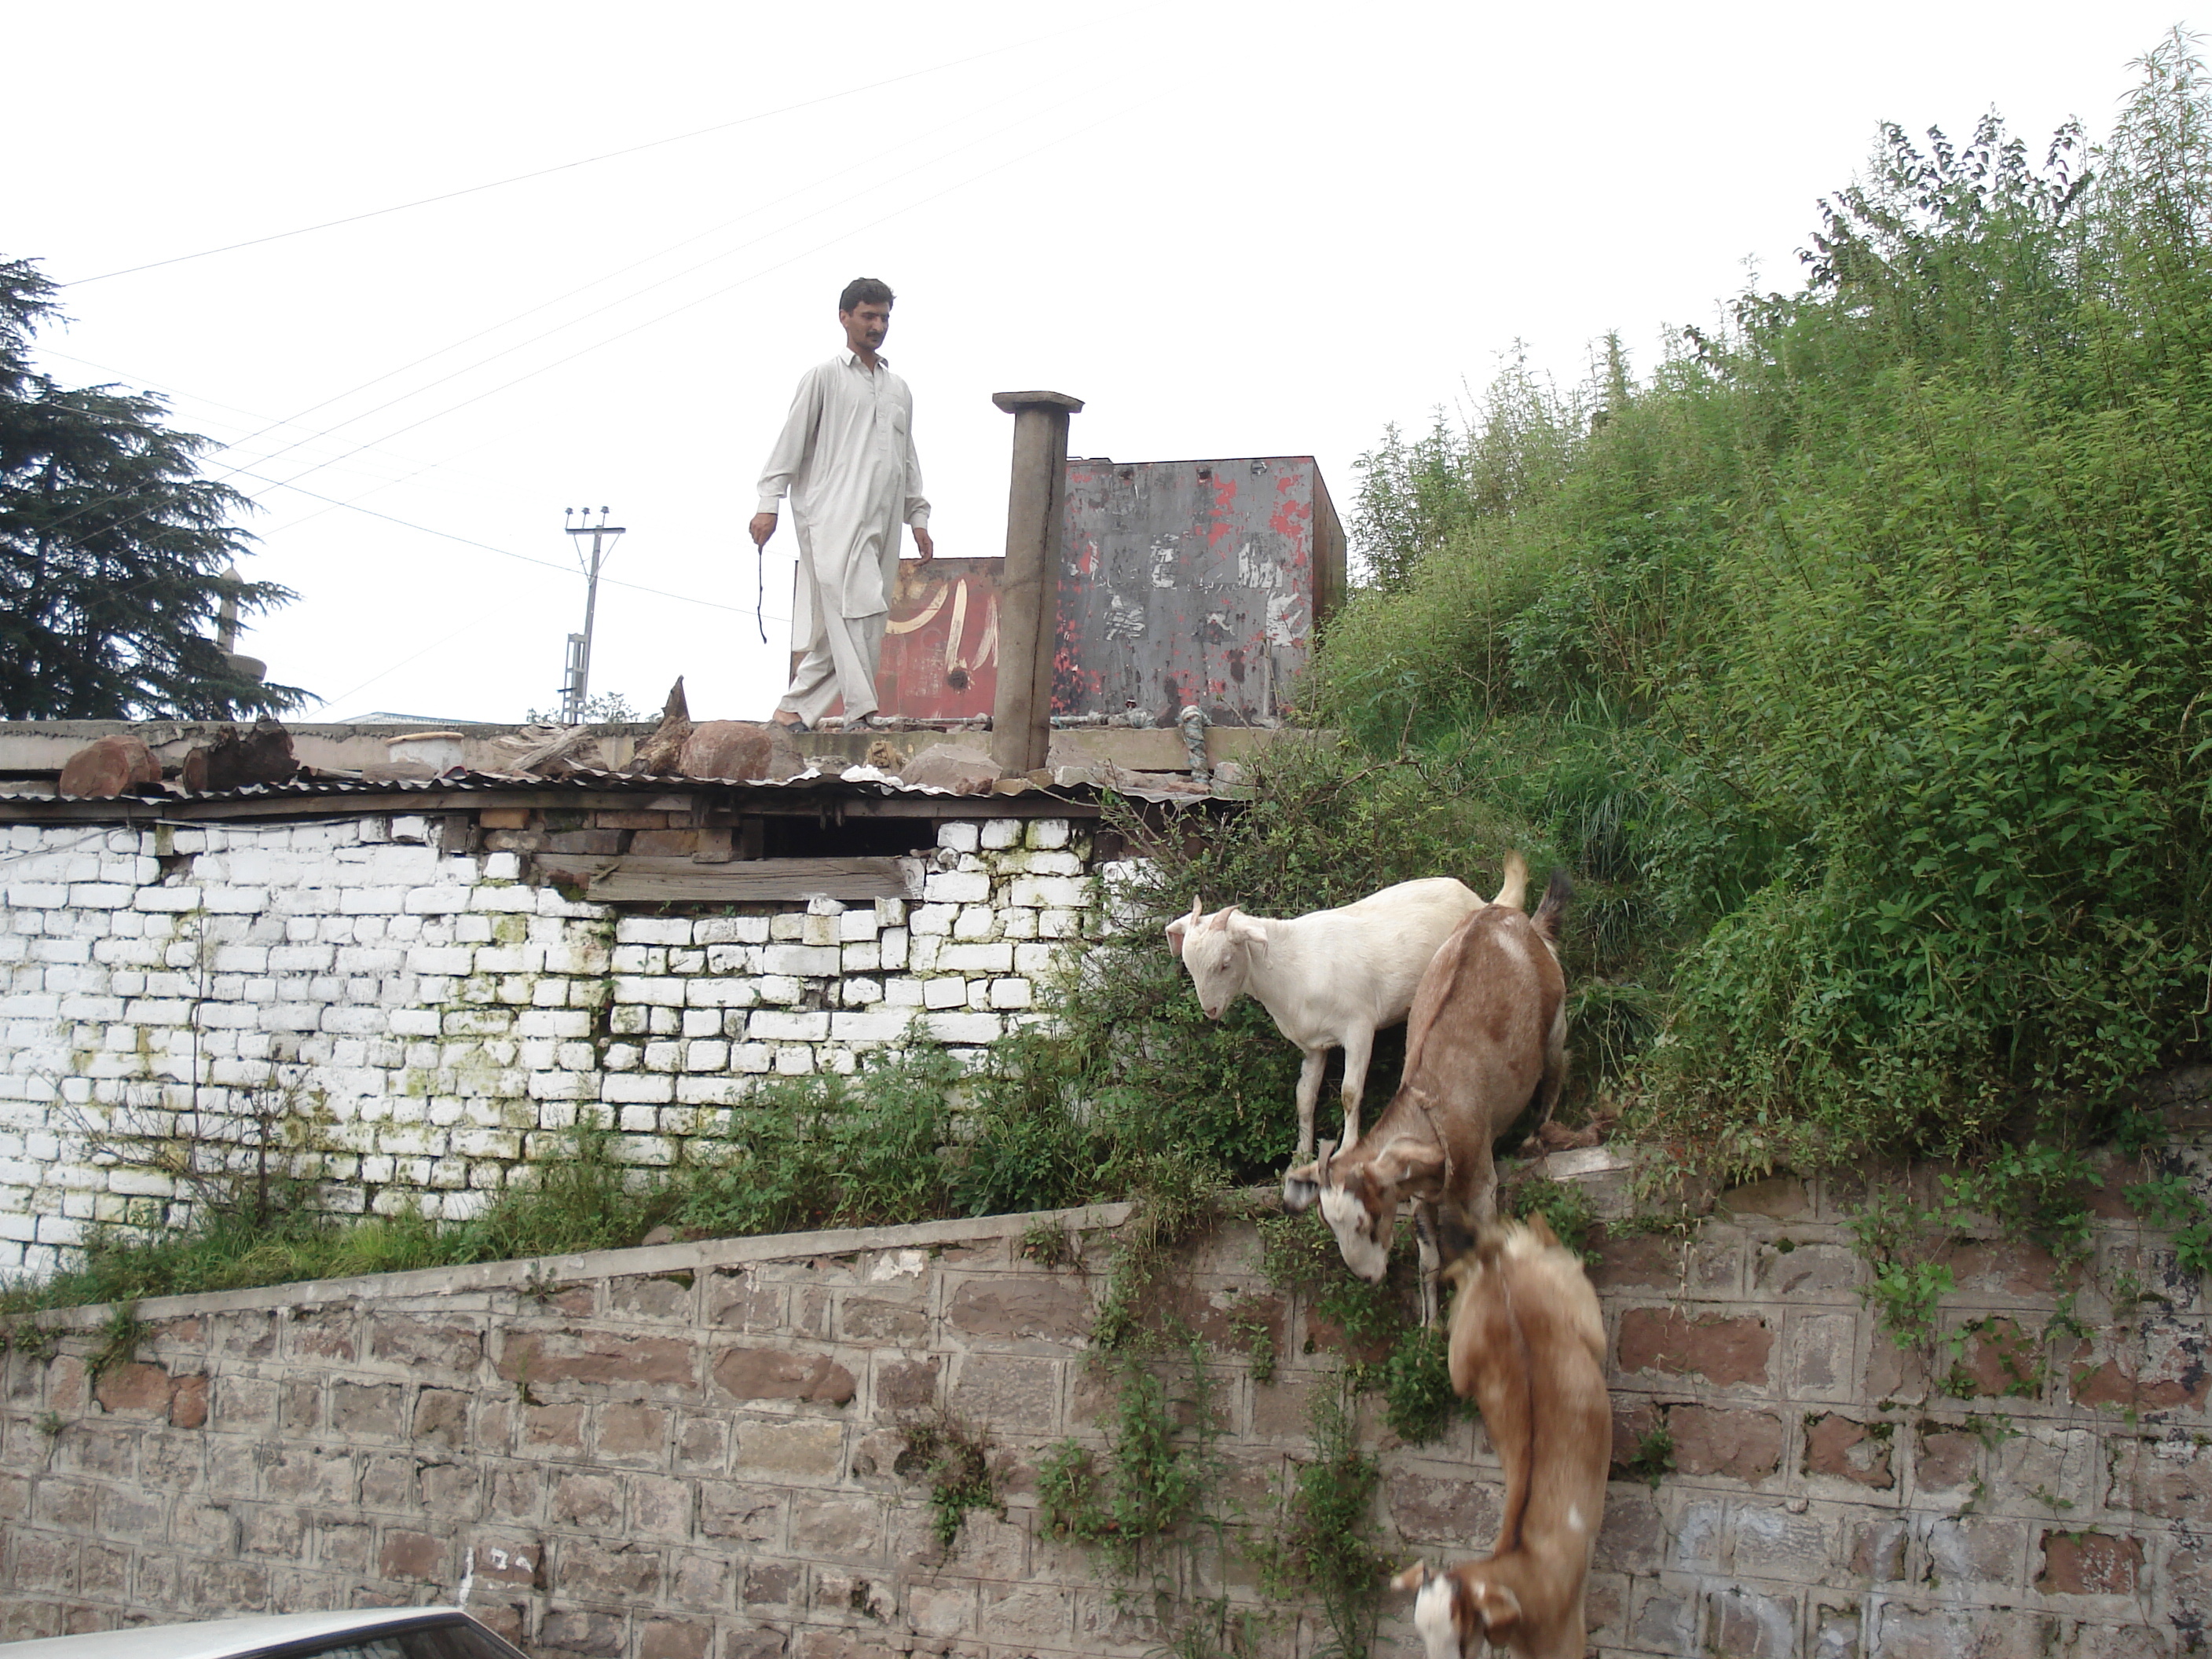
1150	1482
582	1197
829	1151
1418	1402
1858	647
585	1197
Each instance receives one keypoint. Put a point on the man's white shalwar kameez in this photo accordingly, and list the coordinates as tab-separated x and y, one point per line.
847	457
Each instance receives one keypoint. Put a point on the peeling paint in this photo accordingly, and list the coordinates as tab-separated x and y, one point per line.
1180	581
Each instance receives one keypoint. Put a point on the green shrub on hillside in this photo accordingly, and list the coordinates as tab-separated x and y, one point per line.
1884	612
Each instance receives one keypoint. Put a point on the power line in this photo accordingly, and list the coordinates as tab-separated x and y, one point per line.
267	422
346	455
588	160
765	271
619	271
277	530
504	552
715	294
329	505
382	673
293	484
874	186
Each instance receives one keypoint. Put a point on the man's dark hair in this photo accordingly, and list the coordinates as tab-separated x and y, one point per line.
864	290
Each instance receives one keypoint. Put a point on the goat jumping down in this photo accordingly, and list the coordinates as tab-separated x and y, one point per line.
1488	1032
1528	1344
1333	978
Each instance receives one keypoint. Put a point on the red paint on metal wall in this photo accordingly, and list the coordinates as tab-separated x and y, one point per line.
1177	586
1225	499
941	646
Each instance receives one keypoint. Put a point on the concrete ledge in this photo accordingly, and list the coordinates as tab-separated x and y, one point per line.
490	1276
485	1278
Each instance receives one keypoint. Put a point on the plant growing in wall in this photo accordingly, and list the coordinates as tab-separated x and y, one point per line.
118	1341
954	1456
1147	1504
1132	1499
1389	1350
1654	1459
2169	1201
1899	1241
1327	1549
1419	1399
247	1166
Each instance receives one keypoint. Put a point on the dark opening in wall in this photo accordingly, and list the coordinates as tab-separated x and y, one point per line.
857	838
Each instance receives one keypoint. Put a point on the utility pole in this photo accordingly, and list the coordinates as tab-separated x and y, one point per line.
576	682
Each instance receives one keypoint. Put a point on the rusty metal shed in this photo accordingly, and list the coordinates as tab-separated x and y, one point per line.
1182	582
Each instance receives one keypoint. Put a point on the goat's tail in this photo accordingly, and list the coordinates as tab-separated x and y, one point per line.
1513	887
1557	892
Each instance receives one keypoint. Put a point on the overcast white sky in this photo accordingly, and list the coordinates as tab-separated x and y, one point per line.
1235	229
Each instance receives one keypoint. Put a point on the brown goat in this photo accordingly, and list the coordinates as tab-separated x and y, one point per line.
1528	1344
1488	1032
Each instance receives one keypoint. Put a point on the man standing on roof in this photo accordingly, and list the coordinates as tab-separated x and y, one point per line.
847	457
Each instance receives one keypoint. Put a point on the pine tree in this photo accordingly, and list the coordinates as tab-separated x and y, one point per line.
112	548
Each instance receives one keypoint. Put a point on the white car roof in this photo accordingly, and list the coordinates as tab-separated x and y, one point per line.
218	1639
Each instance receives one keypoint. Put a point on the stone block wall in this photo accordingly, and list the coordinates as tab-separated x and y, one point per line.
695	1451
439	1021
2030	1483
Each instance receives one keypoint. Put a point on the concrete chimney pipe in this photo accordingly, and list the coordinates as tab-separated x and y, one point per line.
1028	593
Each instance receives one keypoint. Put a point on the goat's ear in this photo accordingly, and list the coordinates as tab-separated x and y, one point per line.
1490	1239
1499	1607
1412	1578
1325	1151
1182	926
1541	1229
1242	930
1403	1161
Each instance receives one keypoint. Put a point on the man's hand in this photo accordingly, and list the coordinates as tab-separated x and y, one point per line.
923	545
762	528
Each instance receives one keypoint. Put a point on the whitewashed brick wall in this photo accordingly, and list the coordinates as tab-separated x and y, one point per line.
439	1019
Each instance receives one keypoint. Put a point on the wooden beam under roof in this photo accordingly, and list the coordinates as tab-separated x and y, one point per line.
724	803
627	880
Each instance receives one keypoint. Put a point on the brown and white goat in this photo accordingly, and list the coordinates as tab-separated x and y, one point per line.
1529	1345
1488	1032
1333	978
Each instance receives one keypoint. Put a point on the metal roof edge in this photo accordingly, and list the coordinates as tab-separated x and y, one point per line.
486	787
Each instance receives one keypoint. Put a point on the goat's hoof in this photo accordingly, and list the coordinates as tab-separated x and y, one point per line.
1299	1195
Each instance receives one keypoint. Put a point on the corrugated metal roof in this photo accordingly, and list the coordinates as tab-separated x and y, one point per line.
853	782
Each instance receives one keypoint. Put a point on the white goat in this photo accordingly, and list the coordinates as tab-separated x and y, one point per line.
1332	979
